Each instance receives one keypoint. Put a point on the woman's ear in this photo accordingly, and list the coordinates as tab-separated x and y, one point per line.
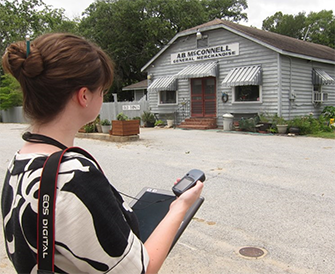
82	97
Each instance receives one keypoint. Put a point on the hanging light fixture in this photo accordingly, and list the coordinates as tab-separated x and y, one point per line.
199	35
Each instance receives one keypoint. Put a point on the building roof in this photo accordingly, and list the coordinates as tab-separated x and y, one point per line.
137	86
280	43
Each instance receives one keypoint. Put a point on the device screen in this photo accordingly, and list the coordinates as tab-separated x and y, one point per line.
184	183
150	210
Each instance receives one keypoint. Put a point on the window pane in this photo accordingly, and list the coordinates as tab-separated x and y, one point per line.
247	93
168	97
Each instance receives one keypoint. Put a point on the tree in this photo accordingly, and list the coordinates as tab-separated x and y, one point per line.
225	9
317	27
33	17
320	28
10	93
132	32
286	24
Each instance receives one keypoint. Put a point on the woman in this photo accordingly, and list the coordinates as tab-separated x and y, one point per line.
63	79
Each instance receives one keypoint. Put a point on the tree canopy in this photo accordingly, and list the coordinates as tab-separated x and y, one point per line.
317	27
132	32
19	18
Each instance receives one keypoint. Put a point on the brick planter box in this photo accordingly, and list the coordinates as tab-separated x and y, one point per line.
125	128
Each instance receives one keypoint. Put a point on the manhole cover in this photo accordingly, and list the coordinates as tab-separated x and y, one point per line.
251	252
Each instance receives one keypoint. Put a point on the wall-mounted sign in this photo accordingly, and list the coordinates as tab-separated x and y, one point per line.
131	107
205	53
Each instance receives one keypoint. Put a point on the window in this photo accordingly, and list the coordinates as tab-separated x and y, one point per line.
167	97
249	93
318	95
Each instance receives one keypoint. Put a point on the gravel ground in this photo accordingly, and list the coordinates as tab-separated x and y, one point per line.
272	192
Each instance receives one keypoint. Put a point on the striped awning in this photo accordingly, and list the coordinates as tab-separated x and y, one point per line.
164	83
198	71
243	76
320	77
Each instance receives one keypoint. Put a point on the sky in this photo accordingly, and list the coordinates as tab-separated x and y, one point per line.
257	11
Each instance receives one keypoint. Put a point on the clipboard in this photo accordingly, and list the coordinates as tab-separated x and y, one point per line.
151	205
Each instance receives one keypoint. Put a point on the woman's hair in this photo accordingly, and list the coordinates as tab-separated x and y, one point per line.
57	66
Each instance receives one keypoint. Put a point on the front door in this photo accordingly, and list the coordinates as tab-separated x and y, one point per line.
203	97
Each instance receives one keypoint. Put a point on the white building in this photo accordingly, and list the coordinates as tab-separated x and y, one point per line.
222	67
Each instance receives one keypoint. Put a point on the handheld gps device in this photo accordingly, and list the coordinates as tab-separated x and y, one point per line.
188	181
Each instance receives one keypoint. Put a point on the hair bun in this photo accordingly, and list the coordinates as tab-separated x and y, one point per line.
22	66
33	66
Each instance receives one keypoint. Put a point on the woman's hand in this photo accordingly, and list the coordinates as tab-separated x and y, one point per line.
188	198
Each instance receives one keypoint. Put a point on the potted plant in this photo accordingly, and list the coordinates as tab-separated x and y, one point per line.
281	124
170	120
98	124
125	127
148	119
265	122
105	125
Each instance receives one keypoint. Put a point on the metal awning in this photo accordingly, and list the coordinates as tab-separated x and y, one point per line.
164	83
198	71
243	76
320	77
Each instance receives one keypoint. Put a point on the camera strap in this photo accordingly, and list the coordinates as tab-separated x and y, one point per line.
46	209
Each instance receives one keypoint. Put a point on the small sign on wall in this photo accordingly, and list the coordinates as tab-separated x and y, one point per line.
131	107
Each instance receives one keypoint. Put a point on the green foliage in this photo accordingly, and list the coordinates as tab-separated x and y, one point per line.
317	27
137	118
10	92
89	128
328	112
159	123
33	17
122	117
309	125
248	124
148	117
105	122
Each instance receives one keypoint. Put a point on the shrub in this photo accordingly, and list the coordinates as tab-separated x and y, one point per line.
148	117
328	112
248	124
309	125
159	123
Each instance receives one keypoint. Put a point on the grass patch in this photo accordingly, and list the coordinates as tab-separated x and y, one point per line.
326	135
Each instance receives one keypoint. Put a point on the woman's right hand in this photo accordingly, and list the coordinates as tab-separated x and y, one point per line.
188	198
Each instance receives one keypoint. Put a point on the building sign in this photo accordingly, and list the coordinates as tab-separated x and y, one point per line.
205	53
131	107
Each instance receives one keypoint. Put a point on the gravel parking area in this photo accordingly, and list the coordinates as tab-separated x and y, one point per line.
276	193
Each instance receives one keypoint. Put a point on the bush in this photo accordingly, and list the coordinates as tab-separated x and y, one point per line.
328	112
148	117
309	125
159	123
248	124
89	128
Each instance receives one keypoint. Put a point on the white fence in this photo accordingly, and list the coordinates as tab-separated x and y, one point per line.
108	111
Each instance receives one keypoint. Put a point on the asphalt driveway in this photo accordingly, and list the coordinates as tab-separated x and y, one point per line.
276	193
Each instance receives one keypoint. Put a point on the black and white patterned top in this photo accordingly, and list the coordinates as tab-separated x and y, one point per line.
95	231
